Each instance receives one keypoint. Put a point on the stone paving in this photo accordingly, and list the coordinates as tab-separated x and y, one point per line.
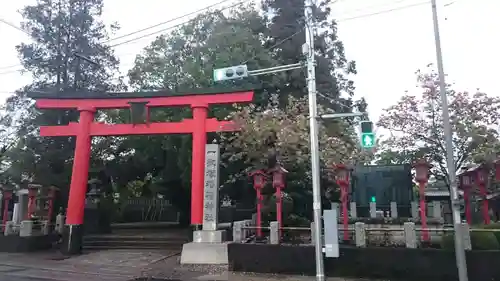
121	265
116	265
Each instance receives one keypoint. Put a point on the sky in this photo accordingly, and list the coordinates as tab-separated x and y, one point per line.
388	39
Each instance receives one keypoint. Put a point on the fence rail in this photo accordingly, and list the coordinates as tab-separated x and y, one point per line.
359	234
392	229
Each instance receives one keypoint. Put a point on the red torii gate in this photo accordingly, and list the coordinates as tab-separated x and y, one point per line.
88	102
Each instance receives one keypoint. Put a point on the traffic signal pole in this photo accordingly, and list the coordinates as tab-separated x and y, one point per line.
313	134
275	69
450	161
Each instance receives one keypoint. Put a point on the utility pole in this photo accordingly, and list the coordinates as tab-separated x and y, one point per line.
457	220
313	126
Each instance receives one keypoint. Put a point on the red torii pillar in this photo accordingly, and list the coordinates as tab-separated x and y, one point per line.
86	128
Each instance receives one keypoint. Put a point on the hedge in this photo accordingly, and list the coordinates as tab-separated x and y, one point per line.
479	241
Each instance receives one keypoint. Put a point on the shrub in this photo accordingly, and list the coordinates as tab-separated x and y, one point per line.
479	241
494	226
484	241
448	241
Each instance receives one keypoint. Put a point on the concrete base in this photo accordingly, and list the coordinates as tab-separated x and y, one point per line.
204	253
208	236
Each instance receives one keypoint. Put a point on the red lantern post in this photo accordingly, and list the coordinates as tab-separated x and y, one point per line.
481	176
7	196
466	184
342	178
422	176
52	196
279	184
259	180
32	192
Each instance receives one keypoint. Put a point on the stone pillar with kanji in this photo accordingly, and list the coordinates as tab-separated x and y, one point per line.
207	246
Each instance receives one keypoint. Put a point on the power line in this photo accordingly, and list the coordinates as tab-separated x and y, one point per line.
14	26
371	7
9	66
174	26
141	30
240	2
277	44
383	11
168	21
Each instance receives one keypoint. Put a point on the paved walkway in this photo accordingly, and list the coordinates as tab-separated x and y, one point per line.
121	265
116	265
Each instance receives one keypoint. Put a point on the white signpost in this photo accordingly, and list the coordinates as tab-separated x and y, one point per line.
211	190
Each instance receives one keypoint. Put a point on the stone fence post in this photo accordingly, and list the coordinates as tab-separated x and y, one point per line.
237	231
414	210
60	218
394	210
360	234
274	232
410	235
373	210
466	235
354	210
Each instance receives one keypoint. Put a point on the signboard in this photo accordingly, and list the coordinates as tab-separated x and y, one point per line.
211	189
382	184
331	233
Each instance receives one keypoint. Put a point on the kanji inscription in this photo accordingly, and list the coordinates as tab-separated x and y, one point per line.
211	189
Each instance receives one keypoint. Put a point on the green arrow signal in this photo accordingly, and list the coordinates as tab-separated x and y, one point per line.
368	140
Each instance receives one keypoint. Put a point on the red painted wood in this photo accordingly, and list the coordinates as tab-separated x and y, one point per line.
228	98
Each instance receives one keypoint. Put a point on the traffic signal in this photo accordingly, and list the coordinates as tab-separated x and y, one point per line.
230	73
367	135
373	199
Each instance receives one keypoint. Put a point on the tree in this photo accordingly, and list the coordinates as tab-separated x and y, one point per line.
58	30
416	127
186	57
285	30
289	127
288	130
178	61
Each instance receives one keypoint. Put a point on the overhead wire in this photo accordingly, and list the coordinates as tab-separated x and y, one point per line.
277	43
225	8
383	11
177	25
14	26
168	21
146	28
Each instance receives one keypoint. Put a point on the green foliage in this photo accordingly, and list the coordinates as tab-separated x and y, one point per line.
178	61
448	241
479	241
58	29
484	241
495	226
